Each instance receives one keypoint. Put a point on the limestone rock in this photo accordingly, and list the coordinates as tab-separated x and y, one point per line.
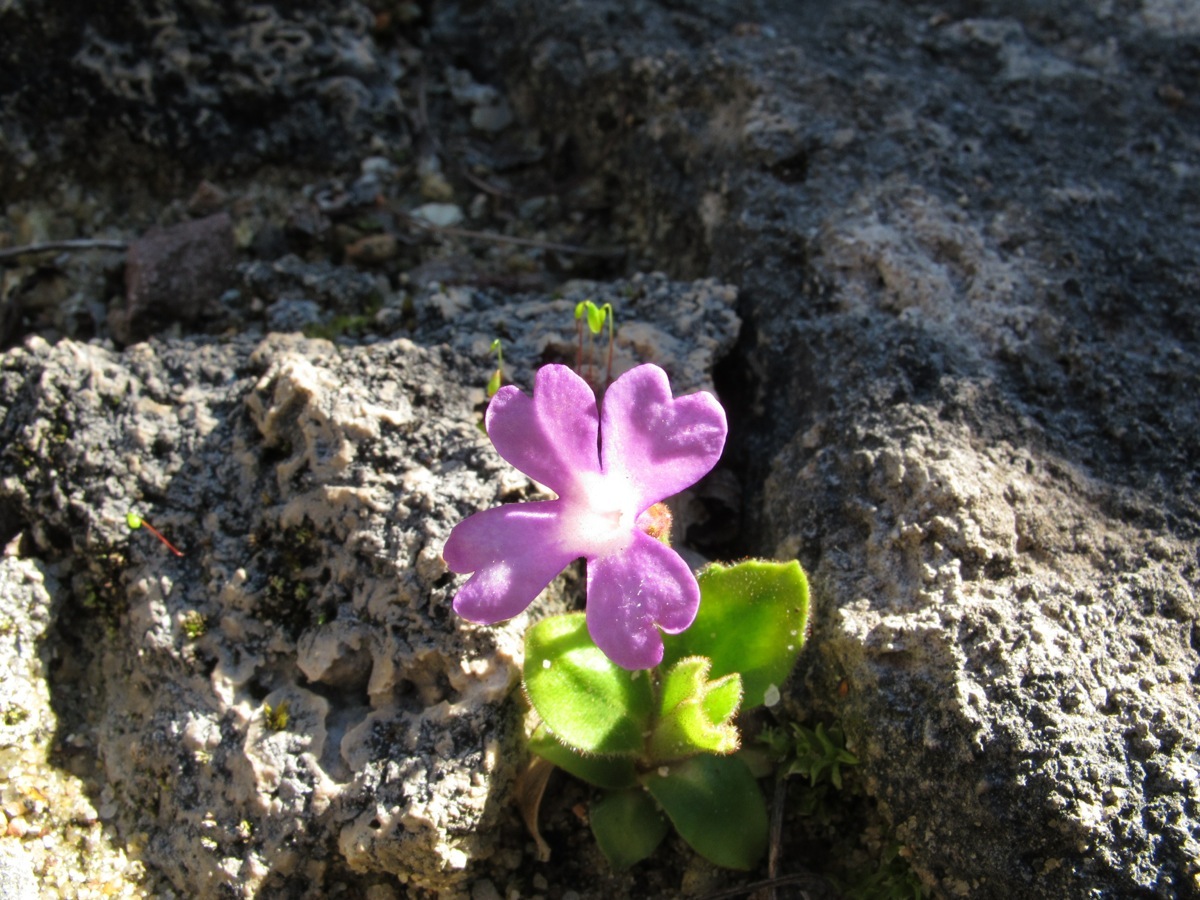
292	705
143	83
967	386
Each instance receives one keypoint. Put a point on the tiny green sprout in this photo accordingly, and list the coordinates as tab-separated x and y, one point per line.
91	598
497	378
194	624
204	757
134	521
817	753
276	716
595	316
245	829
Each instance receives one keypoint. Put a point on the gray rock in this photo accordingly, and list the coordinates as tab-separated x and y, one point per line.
967	386
190	82
292	315
291	705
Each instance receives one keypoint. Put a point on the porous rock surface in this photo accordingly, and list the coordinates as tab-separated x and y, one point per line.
292	701
966	253
151	84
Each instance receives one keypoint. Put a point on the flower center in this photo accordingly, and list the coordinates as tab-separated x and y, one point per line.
601	518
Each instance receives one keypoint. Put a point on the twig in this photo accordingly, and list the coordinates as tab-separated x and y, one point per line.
512	239
779	801
488	188
55	246
782	880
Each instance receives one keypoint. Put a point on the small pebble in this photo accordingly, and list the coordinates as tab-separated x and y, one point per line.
443	215
373	249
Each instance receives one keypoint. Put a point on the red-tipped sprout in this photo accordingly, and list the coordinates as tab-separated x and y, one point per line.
134	521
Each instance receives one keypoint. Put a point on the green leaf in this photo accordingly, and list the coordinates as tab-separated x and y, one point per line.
723	698
752	620
716	806
628	826
694	713
493	384
587	701
612	772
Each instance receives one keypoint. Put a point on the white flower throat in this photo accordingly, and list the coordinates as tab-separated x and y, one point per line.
600	515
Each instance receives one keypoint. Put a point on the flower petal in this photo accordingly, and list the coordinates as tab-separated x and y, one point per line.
513	551
552	436
660	444
631	595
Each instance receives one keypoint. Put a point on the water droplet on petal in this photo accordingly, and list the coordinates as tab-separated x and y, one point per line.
771	695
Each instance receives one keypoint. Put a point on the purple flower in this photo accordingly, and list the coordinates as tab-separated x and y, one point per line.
607	470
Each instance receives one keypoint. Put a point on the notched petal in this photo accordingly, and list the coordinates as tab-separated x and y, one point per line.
552	435
658	443
635	594
513	552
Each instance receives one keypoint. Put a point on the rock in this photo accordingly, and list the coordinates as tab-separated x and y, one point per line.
967	388
333	289
138	87
292	315
52	828
16	873
681	326
373	249
492	118
175	274
291	705
388	752
208	199
440	215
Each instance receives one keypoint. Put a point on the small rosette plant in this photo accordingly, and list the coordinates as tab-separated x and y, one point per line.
637	695
662	742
